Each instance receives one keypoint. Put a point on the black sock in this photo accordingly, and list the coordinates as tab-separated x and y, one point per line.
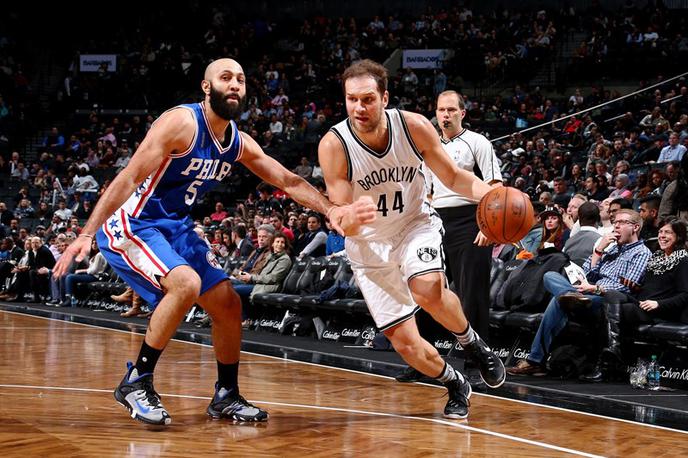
228	375
148	358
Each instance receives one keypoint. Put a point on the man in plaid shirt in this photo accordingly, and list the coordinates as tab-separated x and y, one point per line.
617	263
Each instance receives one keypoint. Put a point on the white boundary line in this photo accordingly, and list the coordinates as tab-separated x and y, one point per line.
339	409
491	396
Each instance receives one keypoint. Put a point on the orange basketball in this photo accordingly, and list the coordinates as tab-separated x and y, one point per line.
505	215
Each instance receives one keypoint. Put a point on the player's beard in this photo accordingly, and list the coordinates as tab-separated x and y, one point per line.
223	107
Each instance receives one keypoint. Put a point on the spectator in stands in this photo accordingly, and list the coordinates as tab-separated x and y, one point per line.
19	283
649	212
277	221
5	215
220	213
618	204
85	184
24	209
20	173
621	182
531	241
561	195
673	151
304	169
554	231
271	277
266	203
54	142
334	245
593	191
619	254
258	257
579	246
13	256
571	214
675	198
41	262
662	295
62	211
96	265
314	240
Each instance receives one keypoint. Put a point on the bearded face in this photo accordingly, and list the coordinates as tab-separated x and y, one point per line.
225	106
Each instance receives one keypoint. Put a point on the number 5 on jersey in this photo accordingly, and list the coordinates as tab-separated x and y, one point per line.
397	204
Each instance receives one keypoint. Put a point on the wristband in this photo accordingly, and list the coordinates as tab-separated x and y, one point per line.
599	253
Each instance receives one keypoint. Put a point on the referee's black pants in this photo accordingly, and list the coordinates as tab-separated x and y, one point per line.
468	265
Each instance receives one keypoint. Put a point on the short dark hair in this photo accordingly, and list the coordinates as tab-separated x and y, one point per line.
588	214
366	67
278	215
623	203
679	228
652	201
240	230
264	187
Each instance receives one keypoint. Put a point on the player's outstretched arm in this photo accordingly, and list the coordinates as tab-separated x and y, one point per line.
277	175
172	132
428	143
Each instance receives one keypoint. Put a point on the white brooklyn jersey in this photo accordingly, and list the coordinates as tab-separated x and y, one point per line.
393	178
471	152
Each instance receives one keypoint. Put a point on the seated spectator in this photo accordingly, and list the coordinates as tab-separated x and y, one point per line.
85	184
277	221
554	231
41	262
579	247
62	211
24	209
96	265
54	142
219	214
673	151
244	246
304	169
270	278
313	242
649	212
662	295
334	246
531	241
266	202
561	195
619	254
571	214
257	259
5	215
621	182
675	198
14	253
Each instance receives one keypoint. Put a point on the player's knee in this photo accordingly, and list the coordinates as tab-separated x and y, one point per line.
188	289
428	293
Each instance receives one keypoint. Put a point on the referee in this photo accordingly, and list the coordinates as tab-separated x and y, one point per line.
467	250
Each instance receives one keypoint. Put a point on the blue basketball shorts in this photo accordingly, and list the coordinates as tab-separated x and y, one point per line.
142	252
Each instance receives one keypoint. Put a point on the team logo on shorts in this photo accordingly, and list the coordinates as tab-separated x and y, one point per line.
212	260
427	254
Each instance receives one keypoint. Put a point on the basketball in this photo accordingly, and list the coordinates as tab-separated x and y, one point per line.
505	215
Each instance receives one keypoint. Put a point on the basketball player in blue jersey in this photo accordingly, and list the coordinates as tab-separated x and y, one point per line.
397	259
144	230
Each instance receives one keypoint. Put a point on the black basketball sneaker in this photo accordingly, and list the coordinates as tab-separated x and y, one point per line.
136	393
459	394
491	367
230	404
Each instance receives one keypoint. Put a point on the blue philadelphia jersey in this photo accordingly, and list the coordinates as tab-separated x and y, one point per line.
183	178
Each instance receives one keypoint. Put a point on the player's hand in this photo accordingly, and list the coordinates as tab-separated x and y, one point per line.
77	250
481	240
347	219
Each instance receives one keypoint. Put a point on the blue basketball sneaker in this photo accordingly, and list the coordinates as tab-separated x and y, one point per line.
230	404
136	393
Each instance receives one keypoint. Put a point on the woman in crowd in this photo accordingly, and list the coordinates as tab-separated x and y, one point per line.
621	182
553	229
663	294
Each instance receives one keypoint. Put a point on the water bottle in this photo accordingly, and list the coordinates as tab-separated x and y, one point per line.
653	374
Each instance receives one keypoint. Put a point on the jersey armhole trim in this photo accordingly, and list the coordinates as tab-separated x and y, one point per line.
195	135
241	143
349	172
407	132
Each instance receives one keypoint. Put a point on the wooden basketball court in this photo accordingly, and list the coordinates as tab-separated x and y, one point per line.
57	377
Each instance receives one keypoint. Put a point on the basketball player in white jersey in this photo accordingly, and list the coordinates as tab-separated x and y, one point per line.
397	259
